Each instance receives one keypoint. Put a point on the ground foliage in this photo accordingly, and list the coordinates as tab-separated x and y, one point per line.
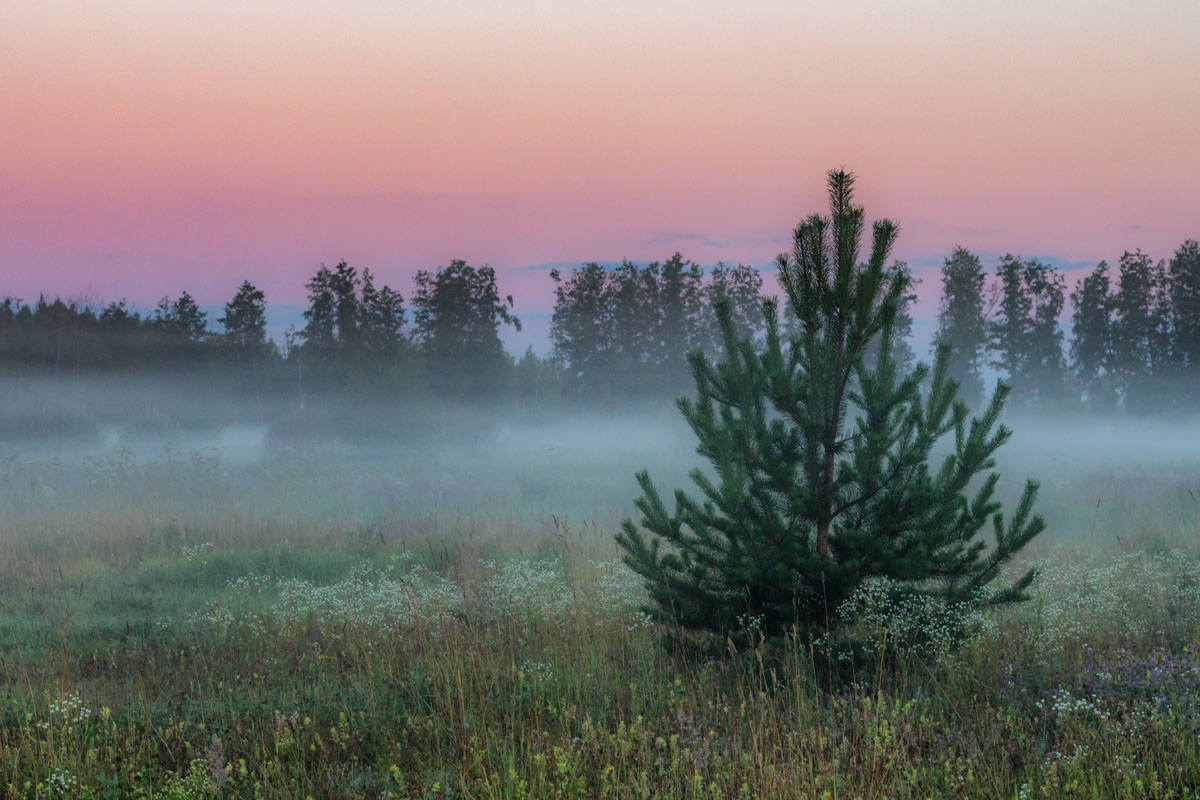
187	627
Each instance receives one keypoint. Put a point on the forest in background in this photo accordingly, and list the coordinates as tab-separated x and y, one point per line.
620	334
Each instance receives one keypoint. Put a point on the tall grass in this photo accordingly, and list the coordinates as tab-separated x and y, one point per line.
312	626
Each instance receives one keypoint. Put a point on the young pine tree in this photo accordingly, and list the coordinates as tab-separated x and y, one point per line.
820	475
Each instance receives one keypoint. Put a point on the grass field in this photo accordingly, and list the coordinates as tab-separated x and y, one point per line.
327	621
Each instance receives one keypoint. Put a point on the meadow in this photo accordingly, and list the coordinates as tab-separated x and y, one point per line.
235	613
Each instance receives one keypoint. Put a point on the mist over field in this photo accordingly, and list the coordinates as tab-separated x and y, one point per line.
380	465
417	455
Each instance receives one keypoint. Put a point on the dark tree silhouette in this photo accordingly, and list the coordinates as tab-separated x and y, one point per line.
182	319
741	286
1183	277
1025	335
320	316
1141	332
582	326
457	313
1091	338
962	322
245	322
628	330
381	321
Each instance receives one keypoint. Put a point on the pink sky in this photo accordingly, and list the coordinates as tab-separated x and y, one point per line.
147	148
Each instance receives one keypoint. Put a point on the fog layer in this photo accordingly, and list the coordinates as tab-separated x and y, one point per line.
205	459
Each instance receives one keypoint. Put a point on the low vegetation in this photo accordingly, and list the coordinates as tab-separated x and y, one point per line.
178	625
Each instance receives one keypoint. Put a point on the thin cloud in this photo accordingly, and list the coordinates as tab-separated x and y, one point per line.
663	237
750	241
970	231
569	265
101	256
707	240
534	314
989	259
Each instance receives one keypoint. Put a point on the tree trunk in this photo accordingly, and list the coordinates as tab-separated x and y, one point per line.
825	519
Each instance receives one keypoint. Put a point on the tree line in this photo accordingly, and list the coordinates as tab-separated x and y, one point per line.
356	334
1135	331
66	336
626	331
